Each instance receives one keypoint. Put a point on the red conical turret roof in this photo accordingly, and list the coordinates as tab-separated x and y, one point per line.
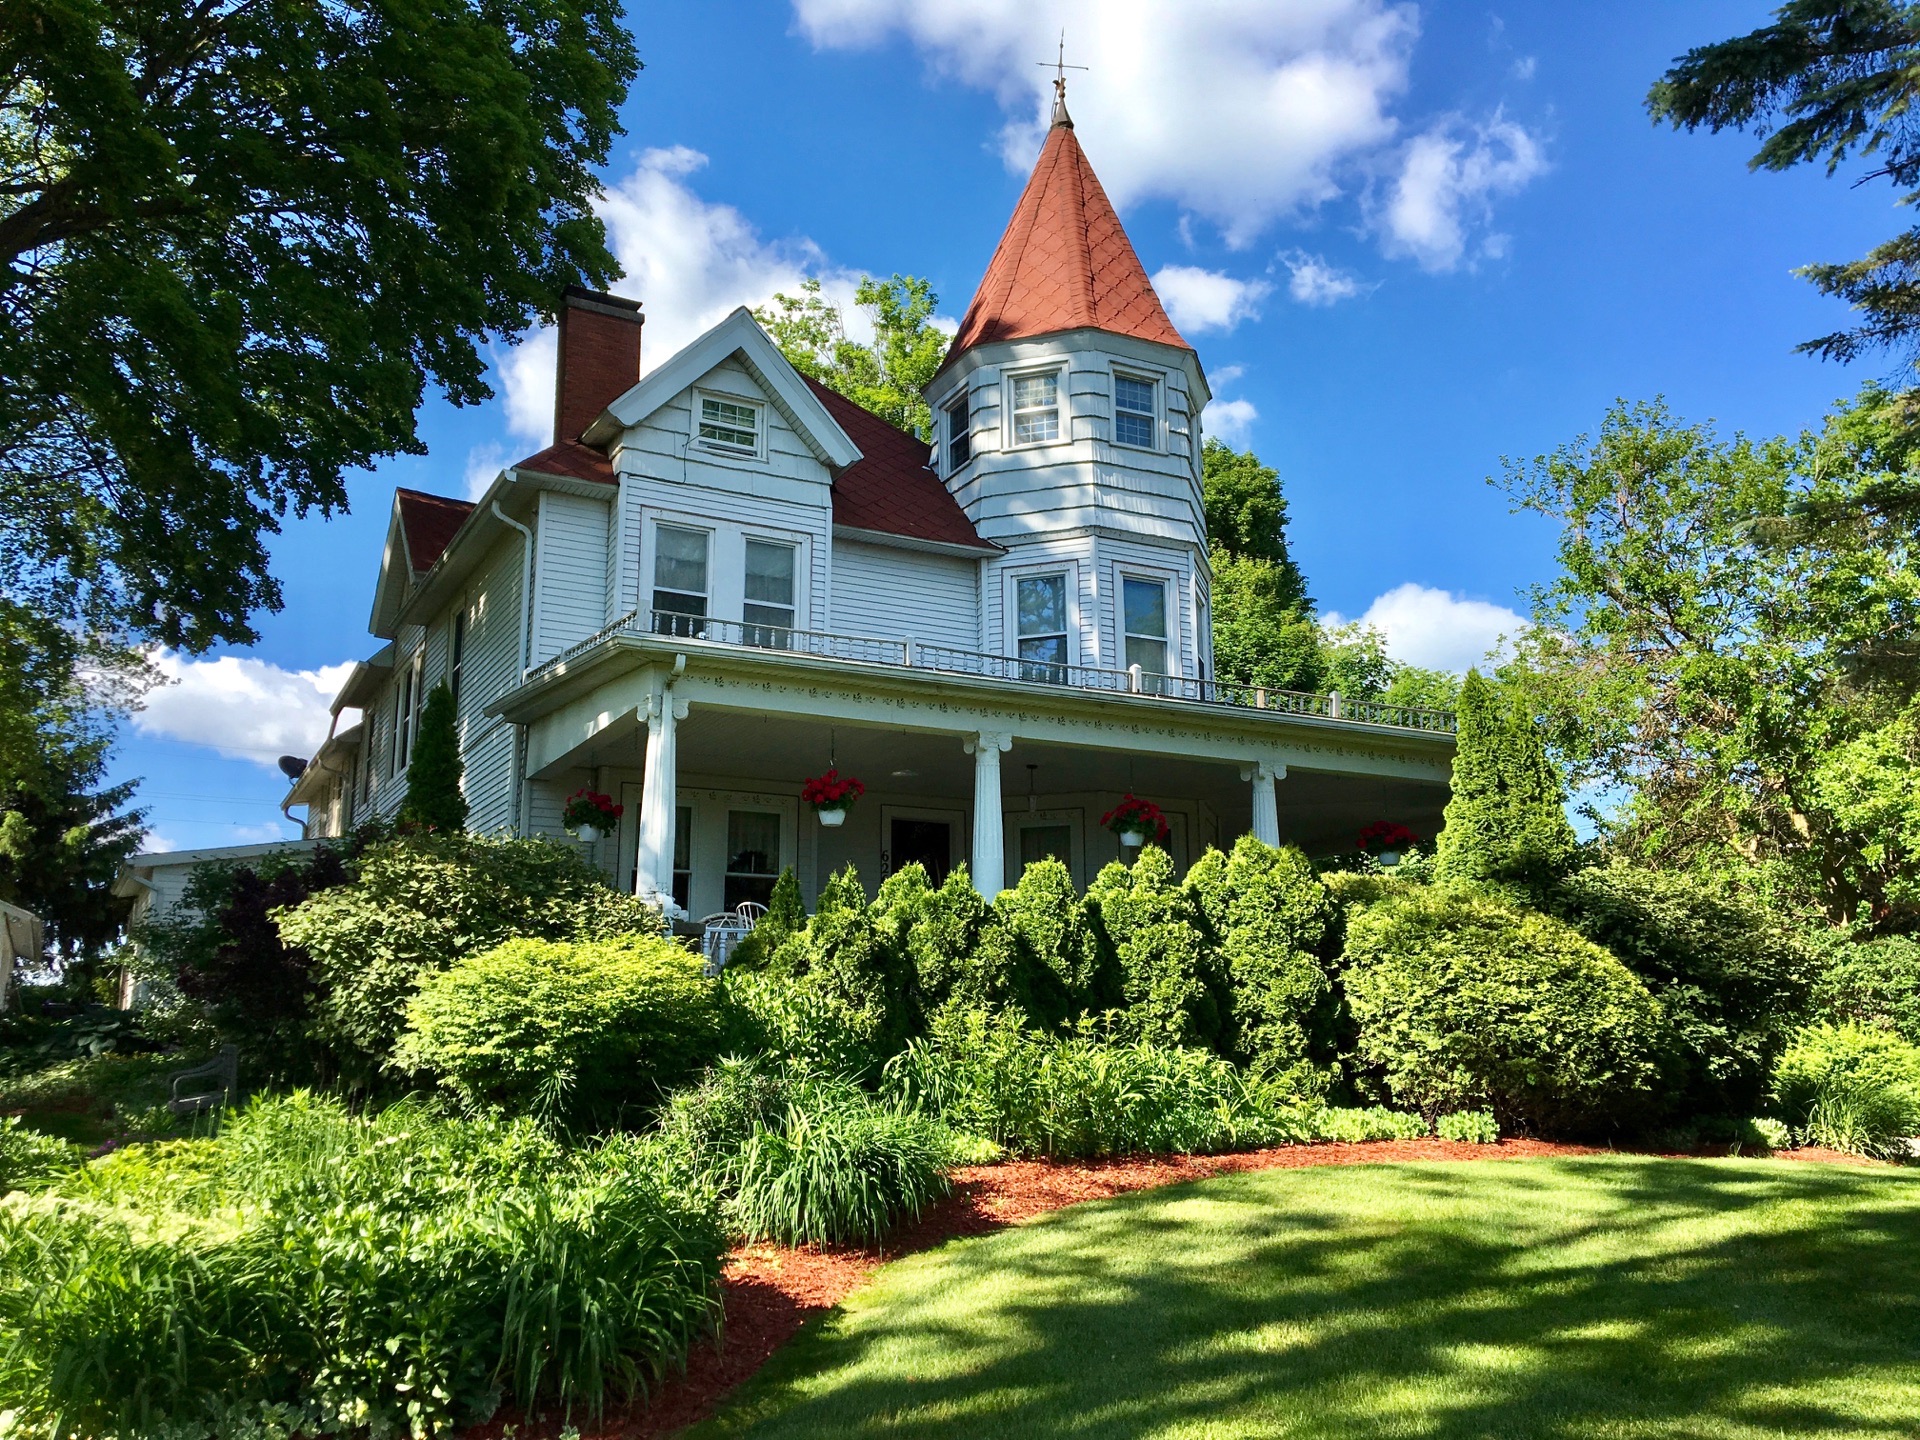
1064	263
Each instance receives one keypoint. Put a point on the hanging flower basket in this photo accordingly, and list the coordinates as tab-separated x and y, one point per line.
589	814
1387	840
831	795
1137	821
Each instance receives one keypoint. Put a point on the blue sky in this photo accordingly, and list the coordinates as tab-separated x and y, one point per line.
1406	241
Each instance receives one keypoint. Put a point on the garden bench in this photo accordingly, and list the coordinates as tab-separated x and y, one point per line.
213	1084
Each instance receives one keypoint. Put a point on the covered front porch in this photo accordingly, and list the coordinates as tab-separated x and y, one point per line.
706	746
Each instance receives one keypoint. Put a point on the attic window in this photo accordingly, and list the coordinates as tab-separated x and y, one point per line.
728	424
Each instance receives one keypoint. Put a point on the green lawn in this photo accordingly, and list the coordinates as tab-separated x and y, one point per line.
1604	1297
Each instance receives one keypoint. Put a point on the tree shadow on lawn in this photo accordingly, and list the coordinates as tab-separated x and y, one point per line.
1571	1298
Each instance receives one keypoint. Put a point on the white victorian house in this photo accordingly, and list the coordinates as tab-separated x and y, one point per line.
721	578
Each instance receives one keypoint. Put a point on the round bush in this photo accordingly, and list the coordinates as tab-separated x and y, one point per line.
1465	1003
1850	1087
581	1031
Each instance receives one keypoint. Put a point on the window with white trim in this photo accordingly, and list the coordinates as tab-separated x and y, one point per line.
729	425
1135	411
753	857
406	709
679	581
1040	623
769	607
457	654
1143	605
1036	408
959	432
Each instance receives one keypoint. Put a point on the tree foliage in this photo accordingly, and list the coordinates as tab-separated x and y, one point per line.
434	798
1506	821
1732	642
1828	81
886	376
237	241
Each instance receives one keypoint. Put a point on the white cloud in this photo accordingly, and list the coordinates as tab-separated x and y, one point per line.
1430	627
1314	282
484	463
240	707
1202	300
1525	67
1229	420
689	262
1241	111
1449	176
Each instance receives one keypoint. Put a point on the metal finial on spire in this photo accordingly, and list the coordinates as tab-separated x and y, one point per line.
1060	67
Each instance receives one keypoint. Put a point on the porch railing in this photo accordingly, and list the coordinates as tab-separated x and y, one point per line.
907	653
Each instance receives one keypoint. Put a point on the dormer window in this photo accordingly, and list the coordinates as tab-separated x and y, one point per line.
729	425
1036	408
959	433
1134	411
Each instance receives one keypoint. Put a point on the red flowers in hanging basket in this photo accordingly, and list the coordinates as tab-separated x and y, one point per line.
590	807
1138	817
832	791
1387	835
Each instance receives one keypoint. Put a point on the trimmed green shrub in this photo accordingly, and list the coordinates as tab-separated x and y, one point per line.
29	1159
400	1275
1505	821
578	1031
434	798
1851	1088
1149	932
1059	972
1467	1003
854	962
1469	1127
421	902
1733	984
1873	982
1269	914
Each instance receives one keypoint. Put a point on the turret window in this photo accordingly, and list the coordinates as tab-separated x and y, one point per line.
1145	606
1134	411
1036	408
959	433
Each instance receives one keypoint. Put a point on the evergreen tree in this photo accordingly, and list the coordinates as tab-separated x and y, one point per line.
433	774
1506	822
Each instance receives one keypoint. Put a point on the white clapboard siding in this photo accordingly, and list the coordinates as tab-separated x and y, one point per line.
878	590
570	570
491	668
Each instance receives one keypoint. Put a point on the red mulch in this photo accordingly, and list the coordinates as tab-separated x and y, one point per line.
770	1291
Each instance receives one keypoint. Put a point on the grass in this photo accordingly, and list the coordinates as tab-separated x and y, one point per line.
1606	1297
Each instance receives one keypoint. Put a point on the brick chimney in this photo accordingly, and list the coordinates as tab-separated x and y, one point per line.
599	357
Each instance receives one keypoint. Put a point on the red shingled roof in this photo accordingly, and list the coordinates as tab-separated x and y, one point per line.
572	460
428	522
1064	262
889	488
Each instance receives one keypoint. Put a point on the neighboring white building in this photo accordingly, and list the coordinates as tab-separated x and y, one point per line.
22	937
721	578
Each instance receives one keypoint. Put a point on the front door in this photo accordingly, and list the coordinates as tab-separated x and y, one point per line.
928	843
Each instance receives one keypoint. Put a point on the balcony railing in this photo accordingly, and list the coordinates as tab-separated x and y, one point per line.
910	654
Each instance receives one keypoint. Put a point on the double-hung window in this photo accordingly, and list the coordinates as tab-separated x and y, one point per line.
769	608
1036	408
406	706
457	654
959	432
729	424
1040	604
679	581
1134	412
1144	603
753	857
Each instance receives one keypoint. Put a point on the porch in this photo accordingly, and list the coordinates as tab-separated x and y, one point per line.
706	739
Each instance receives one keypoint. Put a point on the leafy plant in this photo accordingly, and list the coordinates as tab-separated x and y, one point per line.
28	1158
1875	982
1470	1127
1174	985
1851	1088
578	1031
837	1173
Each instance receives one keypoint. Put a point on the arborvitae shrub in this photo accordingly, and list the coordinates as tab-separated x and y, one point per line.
1042	925
1269	915
943	934
1505	823
1733	983
1463	1002
786	913
434	799
842	969
1149	931
588	1033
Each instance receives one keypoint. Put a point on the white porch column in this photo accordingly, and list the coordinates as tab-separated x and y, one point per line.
989	867
653	859
1266	808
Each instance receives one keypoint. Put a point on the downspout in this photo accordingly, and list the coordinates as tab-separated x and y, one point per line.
519	761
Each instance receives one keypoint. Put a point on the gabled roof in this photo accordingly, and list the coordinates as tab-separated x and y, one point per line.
1064	262
427	523
889	489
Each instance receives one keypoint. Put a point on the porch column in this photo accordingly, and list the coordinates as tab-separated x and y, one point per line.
653	858
989	867
1266	809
